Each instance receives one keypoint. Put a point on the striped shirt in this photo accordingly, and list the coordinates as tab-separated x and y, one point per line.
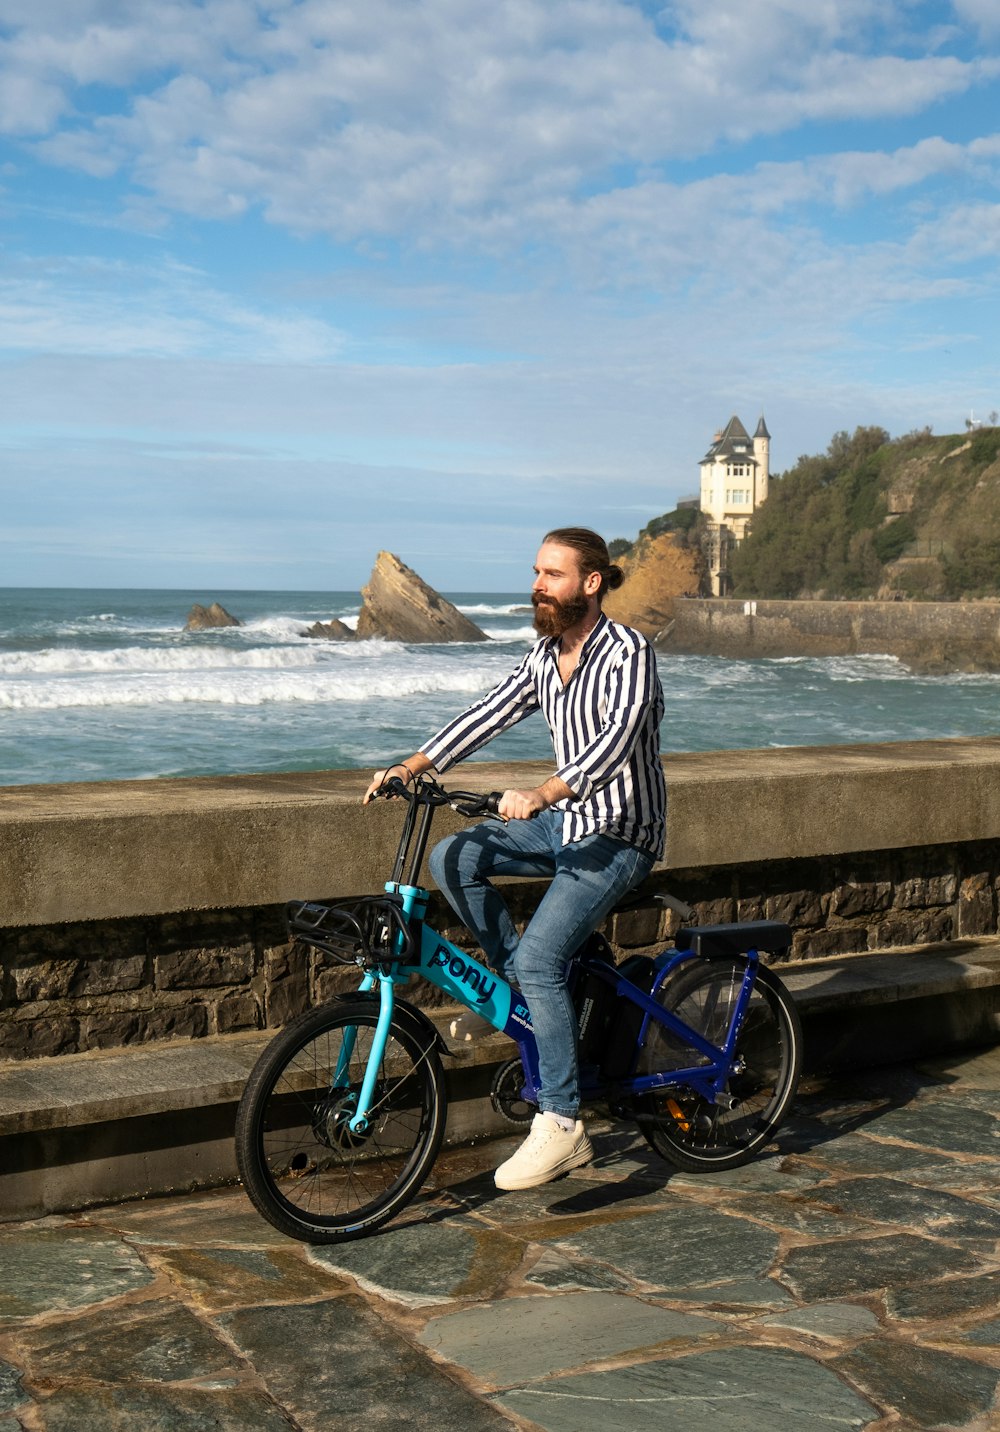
605	726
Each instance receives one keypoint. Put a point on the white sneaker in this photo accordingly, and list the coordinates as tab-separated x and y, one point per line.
467	1027
548	1151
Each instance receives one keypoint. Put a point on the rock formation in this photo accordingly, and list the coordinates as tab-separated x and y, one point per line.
397	605
204	618
658	570
329	631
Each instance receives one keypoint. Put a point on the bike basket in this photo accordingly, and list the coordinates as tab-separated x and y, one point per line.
371	931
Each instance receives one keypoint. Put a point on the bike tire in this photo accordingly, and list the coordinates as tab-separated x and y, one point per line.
687	1130
301	1166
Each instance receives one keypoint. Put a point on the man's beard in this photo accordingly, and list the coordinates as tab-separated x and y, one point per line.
552	618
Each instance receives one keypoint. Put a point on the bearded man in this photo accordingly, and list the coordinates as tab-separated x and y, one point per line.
596	826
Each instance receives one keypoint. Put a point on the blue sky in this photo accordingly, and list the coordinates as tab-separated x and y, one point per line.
282	284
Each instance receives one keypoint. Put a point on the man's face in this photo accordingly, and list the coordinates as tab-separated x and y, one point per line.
559	593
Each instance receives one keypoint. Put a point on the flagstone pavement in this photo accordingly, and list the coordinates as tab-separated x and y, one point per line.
849	1279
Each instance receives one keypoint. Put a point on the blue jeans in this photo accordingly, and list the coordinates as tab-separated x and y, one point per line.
589	877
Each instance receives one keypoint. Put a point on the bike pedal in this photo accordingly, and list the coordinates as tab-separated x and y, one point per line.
677	1114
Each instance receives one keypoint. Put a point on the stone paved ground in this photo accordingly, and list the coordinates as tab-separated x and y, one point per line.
849	1280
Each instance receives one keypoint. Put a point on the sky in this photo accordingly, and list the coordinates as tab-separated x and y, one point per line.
289	282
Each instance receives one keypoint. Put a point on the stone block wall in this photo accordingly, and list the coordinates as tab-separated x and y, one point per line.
938	636
142	911
70	987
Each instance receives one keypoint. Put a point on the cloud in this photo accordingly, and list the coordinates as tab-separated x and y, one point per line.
569	261
384	119
983	14
89	305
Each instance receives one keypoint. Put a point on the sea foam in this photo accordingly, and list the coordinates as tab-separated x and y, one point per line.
64	678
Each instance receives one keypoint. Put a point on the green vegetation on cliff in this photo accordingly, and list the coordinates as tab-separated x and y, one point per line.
684	522
917	515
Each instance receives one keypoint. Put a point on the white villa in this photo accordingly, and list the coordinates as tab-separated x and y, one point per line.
734	478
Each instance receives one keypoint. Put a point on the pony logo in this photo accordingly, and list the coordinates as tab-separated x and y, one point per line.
465	972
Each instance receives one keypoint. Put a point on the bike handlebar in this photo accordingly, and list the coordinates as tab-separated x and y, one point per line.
428	792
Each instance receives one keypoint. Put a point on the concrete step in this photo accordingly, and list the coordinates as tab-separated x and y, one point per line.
91	1128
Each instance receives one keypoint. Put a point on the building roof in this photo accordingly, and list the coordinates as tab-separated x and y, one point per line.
762	431
733	443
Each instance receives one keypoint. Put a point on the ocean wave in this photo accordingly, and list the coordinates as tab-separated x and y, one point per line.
486	609
100	627
308	672
72	661
861	667
208	656
285	628
519	634
244	685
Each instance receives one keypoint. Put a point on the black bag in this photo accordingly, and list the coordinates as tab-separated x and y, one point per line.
594	1002
625	1022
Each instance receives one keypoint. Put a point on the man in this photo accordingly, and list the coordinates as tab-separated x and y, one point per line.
595	826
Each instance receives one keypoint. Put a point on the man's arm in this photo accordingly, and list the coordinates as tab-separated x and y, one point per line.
514	805
509	702
503	707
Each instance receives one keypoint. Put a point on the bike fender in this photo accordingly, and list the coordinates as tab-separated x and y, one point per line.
411	1018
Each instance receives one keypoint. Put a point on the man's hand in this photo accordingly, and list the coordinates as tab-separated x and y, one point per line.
414	765
380	777
522	805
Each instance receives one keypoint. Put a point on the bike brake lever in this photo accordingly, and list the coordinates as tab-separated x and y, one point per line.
393	787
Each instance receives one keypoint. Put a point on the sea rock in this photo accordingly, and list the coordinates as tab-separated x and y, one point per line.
329	631
397	605
204	618
658	570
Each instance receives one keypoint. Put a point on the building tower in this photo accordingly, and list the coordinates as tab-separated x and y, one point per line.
735	473
762	452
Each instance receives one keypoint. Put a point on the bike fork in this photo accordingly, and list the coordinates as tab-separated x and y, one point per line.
359	1121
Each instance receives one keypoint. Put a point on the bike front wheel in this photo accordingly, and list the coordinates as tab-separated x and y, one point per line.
305	1170
690	1132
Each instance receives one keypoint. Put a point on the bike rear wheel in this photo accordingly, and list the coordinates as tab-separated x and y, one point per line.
302	1166
691	1132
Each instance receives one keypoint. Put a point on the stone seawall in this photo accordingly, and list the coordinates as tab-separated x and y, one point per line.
146	911
929	636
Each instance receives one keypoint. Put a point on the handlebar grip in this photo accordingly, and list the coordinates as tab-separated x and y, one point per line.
473	805
394	787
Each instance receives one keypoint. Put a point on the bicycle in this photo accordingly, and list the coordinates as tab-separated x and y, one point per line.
344	1112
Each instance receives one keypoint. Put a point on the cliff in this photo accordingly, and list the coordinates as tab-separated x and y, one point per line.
399	606
913	517
657	571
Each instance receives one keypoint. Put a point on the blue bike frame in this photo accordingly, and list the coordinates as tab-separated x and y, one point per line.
479	988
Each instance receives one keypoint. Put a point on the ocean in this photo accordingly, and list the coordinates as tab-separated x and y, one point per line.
106	685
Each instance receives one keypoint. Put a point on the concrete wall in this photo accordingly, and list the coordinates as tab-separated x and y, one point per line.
141	911
927	635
